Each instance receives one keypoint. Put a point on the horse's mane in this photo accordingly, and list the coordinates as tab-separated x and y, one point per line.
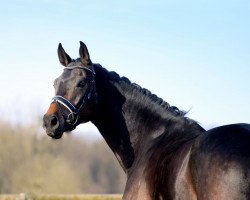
154	98
147	97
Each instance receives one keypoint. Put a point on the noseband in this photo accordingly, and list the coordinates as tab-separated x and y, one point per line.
72	117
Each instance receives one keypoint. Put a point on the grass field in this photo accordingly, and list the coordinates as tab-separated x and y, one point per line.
60	197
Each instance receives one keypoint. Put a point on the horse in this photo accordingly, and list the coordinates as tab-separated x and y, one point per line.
165	155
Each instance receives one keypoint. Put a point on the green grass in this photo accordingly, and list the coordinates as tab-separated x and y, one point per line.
63	197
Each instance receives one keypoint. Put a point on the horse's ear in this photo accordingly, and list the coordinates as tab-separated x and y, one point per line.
84	54
64	58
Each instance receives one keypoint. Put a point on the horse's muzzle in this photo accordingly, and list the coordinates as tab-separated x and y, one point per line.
51	124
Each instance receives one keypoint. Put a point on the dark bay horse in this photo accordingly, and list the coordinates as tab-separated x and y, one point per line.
164	154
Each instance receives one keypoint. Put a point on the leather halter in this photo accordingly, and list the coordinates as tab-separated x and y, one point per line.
72	117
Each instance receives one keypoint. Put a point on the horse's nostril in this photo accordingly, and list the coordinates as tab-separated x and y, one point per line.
53	121
50	123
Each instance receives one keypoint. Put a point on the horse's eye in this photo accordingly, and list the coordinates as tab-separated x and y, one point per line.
81	83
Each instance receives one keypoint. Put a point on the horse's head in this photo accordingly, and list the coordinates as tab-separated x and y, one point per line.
75	94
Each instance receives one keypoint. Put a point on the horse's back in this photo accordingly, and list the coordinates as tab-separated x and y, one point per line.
220	163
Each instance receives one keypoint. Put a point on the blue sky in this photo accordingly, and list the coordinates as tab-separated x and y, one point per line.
193	54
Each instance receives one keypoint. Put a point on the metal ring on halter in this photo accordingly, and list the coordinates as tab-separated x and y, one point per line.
72	118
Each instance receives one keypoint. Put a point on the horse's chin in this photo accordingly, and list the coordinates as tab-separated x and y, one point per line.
56	137
56	134
69	128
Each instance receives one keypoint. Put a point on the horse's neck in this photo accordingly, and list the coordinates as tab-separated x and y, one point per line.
109	119
130	122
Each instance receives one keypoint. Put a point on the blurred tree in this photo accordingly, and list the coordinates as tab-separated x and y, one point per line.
33	162
45	174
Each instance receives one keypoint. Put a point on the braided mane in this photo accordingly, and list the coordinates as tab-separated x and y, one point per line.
154	98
